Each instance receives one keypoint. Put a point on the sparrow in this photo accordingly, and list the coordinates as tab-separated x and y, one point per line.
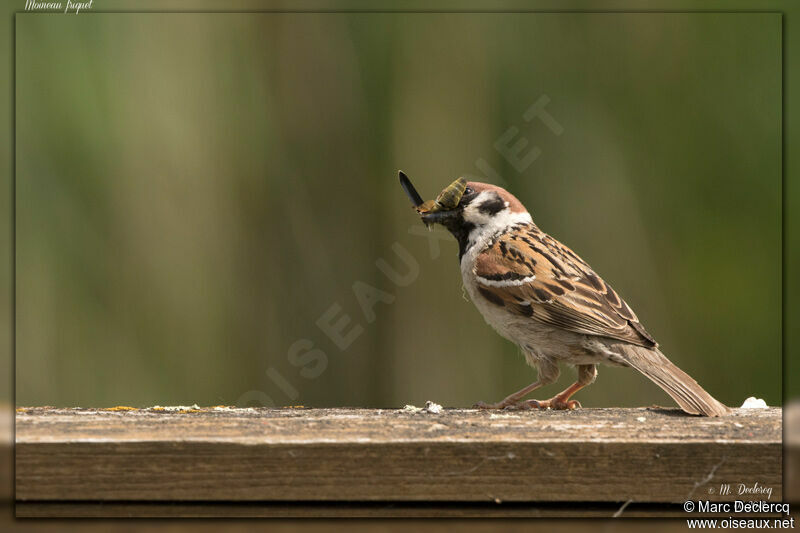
539	294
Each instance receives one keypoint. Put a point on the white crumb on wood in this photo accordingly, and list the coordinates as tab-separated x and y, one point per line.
433	407
641	418
430	407
754	403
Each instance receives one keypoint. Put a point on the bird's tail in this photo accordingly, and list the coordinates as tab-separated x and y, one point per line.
684	390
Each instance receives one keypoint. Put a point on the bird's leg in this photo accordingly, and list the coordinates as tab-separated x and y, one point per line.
586	376
511	399
548	373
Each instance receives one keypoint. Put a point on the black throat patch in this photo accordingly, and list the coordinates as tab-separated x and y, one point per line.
460	230
462	236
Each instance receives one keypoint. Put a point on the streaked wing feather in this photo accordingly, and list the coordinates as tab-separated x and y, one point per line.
534	275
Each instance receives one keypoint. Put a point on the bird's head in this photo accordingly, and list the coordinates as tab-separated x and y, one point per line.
480	205
469	209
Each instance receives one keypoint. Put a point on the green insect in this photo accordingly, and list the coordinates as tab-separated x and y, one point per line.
447	199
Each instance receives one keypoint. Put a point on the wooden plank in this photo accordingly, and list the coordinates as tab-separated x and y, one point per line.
361	455
350	510
467	522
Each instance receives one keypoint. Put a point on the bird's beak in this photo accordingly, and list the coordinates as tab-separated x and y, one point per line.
437	211
438	217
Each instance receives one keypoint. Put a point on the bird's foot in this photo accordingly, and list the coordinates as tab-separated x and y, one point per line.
556	403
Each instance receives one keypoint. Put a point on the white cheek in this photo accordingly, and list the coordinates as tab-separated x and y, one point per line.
495	222
487	226
474	215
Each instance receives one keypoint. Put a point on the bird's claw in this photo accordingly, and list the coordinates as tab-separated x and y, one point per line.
569	405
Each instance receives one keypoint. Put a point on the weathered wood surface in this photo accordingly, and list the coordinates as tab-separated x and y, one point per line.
252	456
351	510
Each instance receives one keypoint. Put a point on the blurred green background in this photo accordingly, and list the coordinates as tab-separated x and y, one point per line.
194	191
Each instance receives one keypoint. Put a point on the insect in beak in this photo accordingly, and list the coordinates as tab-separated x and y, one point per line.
411	192
436	210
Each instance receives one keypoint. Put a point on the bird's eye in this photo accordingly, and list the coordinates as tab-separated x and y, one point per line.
468	190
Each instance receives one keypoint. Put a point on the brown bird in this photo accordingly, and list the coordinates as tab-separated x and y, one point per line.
540	295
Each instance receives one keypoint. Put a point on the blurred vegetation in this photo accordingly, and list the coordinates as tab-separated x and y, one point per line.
195	191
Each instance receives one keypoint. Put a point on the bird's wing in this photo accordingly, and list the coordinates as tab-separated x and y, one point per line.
534	275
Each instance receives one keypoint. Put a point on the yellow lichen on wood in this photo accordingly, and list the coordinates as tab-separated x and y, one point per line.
121	408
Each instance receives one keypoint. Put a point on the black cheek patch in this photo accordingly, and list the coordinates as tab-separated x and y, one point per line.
492	206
